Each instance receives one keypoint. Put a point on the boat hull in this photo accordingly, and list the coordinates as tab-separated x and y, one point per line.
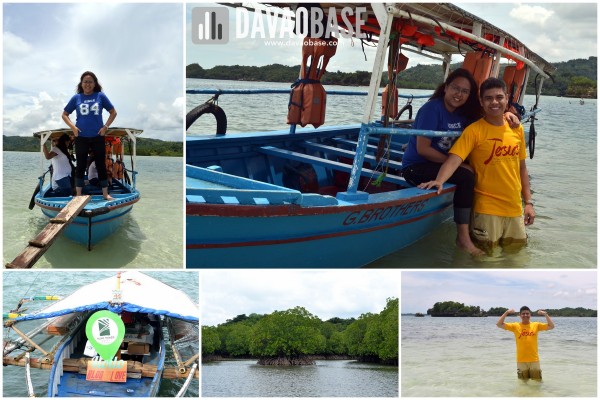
98	220
240	214
331	238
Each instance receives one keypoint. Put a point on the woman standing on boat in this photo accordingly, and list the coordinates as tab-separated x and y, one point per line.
453	106
89	130
61	165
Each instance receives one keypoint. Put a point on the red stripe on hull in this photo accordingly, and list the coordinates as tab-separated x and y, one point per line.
290	210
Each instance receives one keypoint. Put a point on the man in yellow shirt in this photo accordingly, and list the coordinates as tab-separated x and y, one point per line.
526	336
497	154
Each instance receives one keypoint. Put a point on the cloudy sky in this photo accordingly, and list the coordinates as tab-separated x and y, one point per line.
325	293
556	31
508	288
136	50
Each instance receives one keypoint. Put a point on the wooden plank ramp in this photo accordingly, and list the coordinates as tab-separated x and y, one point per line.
42	242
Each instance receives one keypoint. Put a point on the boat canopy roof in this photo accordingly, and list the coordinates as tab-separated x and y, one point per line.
139	293
115	132
448	29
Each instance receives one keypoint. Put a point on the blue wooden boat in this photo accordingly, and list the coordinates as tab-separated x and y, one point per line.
100	218
305	197
135	297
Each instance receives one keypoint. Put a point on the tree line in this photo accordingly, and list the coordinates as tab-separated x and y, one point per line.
145	146
574	78
456	309
295	333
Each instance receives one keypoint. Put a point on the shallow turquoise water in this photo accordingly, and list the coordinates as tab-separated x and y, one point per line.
150	237
471	357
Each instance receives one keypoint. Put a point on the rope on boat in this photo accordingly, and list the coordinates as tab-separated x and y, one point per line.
286	91
30	391
186	385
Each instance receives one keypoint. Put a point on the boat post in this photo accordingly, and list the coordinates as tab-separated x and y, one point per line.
385	19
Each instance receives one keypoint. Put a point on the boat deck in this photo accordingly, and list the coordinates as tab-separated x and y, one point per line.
74	384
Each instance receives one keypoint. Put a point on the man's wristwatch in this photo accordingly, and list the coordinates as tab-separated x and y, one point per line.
529	202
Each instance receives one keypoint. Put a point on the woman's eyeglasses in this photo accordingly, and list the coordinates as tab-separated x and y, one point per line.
457	89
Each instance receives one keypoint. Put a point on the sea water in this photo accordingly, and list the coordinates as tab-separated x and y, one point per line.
563	175
19	284
327	378
151	236
465	357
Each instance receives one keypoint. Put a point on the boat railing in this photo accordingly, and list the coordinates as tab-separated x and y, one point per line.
287	91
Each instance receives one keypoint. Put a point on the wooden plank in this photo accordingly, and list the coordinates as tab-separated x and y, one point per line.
41	243
79	365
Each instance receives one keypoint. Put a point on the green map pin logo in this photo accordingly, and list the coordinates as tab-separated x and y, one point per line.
105	331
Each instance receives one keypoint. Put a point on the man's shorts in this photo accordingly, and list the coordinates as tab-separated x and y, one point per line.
489	231
529	370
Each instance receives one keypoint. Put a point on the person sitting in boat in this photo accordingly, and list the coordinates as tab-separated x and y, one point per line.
497	154
89	130
61	165
452	107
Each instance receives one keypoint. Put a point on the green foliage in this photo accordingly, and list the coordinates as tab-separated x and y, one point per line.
211	342
296	332
289	333
237	342
145	146
455	309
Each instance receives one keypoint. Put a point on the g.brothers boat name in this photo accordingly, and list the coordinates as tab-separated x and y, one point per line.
383	213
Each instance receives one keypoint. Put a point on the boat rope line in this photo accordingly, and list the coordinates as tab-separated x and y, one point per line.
314	237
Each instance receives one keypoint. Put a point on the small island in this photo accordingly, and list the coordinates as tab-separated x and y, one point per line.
456	309
297	337
145	146
573	78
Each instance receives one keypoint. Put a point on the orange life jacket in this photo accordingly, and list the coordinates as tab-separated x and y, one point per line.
109	167
118	170
479	64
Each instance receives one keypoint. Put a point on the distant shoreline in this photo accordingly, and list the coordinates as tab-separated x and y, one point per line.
145	146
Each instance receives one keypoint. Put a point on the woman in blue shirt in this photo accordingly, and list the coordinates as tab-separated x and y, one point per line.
453	106
89	130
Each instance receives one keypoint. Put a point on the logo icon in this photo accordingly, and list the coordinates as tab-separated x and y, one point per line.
210	25
104	327
105	331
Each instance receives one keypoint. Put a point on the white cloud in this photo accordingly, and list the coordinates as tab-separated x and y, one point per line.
537	289
136	51
325	293
531	14
15	47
